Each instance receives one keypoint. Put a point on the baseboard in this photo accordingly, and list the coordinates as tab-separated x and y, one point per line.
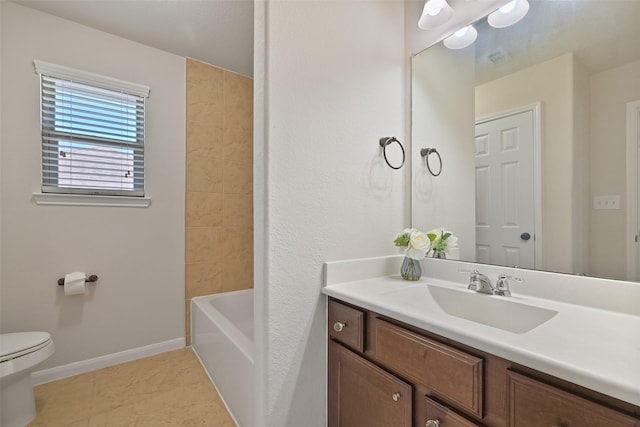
83	366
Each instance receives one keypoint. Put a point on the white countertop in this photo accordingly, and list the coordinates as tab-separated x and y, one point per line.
593	347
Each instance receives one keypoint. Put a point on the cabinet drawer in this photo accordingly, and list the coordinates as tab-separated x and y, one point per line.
449	374
533	404
441	416
346	325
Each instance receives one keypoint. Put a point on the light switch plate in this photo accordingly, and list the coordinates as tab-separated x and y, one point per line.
606	202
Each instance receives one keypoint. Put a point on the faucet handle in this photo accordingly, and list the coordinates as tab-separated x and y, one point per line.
502	285
508	277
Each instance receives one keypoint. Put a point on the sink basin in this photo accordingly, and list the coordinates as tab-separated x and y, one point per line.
495	311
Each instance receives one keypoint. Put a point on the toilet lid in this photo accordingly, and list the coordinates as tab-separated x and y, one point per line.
18	344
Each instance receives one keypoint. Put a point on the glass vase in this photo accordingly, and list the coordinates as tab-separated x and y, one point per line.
439	254
411	269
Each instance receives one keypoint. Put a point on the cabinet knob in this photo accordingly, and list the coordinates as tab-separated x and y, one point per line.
432	423
339	326
395	396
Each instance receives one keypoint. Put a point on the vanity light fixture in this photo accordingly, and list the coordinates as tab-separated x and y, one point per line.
434	14
462	38
508	14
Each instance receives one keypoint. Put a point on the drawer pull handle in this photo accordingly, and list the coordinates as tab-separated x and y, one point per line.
339	326
432	423
395	397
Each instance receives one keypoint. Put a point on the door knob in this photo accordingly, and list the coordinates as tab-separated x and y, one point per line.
525	236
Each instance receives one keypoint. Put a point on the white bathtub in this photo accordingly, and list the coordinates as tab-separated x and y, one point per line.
222	338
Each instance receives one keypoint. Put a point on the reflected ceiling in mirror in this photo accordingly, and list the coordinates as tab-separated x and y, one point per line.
602	34
571	70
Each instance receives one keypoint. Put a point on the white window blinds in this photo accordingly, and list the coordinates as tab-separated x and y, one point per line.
92	133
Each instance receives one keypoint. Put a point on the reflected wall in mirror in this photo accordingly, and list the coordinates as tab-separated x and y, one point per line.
553	106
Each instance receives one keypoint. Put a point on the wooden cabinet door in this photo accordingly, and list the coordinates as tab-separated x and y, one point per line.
536	404
363	395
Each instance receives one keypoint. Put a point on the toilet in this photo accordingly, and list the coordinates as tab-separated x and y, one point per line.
20	353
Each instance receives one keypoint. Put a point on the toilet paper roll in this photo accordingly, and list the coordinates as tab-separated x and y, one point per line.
74	283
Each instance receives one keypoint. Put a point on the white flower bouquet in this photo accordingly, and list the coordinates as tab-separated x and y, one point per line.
441	241
417	243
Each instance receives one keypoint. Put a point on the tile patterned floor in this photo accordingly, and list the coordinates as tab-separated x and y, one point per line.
169	389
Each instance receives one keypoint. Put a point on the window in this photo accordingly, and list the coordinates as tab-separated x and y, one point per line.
92	133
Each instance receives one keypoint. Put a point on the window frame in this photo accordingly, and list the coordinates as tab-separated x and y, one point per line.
99	82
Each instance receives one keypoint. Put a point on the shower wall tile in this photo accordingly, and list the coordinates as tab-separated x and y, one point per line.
238	177
204	87
204	278
238	119
204	209
203	244
238	96
237	214
219	182
205	138
238	261
187	320
239	145
204	171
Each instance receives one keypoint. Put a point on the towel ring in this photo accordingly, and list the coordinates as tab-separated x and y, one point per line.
384	142
425	152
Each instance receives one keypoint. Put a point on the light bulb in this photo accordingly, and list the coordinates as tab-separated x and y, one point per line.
461	32
508	14
434	7
434	14
508	7
462	38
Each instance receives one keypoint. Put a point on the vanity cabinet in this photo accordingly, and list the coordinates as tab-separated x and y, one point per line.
533	403
385	373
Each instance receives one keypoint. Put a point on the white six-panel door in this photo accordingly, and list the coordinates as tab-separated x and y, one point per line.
505	233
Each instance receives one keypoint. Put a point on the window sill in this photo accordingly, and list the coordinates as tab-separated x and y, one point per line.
90	200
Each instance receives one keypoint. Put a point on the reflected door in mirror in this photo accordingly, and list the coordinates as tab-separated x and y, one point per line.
505	190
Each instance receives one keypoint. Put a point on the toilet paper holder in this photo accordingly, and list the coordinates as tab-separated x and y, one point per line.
92	278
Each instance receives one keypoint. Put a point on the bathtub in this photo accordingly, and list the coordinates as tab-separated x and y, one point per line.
222	338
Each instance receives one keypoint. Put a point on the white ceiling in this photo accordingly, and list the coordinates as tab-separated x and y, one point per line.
601	33
218	32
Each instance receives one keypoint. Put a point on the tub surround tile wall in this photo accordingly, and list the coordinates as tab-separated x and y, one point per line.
219	186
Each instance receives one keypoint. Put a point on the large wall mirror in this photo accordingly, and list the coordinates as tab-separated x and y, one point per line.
537	126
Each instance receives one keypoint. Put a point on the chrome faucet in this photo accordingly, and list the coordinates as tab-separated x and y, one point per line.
481	283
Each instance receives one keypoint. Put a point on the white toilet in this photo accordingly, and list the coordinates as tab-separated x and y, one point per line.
20	353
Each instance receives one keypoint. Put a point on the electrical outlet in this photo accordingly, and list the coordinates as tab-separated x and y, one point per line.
606	202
